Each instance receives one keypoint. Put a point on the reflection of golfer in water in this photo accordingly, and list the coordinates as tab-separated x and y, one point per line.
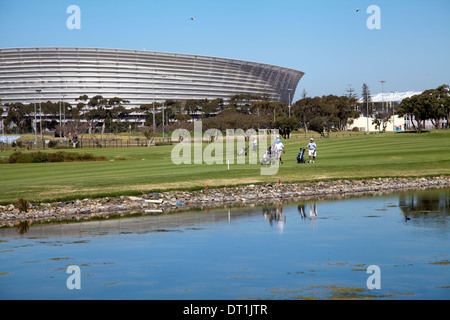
301	210
312	211
275	215
313	215
281	221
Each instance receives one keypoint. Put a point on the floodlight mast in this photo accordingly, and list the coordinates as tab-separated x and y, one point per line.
367	110
382	94
289	91
35	126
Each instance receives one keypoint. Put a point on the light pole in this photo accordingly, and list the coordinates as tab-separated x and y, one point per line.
40	113
163	121
64	115
34	125
35	132
154	125
289	91
382	94
367	111
393	113
60	124
162	85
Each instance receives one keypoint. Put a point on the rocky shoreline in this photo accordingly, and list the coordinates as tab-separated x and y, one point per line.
172	201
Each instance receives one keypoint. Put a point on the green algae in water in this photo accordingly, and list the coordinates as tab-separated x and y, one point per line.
441	262
332	292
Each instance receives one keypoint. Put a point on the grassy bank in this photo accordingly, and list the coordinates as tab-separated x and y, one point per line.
137	170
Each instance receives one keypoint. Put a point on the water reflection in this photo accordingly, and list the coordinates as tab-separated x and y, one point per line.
312	213
274	215
422	208
22	227
426	208
203	253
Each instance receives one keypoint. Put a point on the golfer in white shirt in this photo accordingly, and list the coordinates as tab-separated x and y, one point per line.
279	147
312	150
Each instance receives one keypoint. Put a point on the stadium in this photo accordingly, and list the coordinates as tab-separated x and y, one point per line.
141	77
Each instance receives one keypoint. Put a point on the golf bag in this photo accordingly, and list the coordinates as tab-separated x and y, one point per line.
269	156
242	152
301	156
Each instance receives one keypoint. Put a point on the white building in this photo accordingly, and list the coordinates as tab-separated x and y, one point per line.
388	100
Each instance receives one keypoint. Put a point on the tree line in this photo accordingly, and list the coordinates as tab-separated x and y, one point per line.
432	104
321	114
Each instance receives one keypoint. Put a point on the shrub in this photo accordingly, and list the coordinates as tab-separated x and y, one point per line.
20	157
56	157
39	157
22	204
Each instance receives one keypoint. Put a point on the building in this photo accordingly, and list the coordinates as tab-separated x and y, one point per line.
390	97
141	77
385	101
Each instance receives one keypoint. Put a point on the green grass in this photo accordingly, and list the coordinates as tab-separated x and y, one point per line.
151	169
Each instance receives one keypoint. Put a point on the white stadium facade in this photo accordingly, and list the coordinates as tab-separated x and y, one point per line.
141	77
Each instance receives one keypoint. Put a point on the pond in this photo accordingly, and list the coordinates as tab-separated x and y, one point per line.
396	244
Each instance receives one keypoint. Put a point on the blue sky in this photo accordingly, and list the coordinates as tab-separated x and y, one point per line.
326	39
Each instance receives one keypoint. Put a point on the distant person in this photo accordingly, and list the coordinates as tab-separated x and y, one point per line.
312	150
279	147
277	139
255	144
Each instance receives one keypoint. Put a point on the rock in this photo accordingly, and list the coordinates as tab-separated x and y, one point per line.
182	200
135	198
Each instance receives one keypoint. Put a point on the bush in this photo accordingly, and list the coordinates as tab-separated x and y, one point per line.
56	157
20	157
22	204
39	157
52	144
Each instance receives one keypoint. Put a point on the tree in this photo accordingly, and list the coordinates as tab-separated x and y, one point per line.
81	105
317	124
303	110
74	126
242	102
318	114
432	104
435	107
212	107
352	96
304	94
381	120
286	125
367	107
439	102
326	113
345	110
416	108
18	115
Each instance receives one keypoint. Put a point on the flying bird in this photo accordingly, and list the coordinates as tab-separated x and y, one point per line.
357	10
192	18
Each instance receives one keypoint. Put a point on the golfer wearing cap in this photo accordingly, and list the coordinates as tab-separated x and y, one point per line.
312	150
